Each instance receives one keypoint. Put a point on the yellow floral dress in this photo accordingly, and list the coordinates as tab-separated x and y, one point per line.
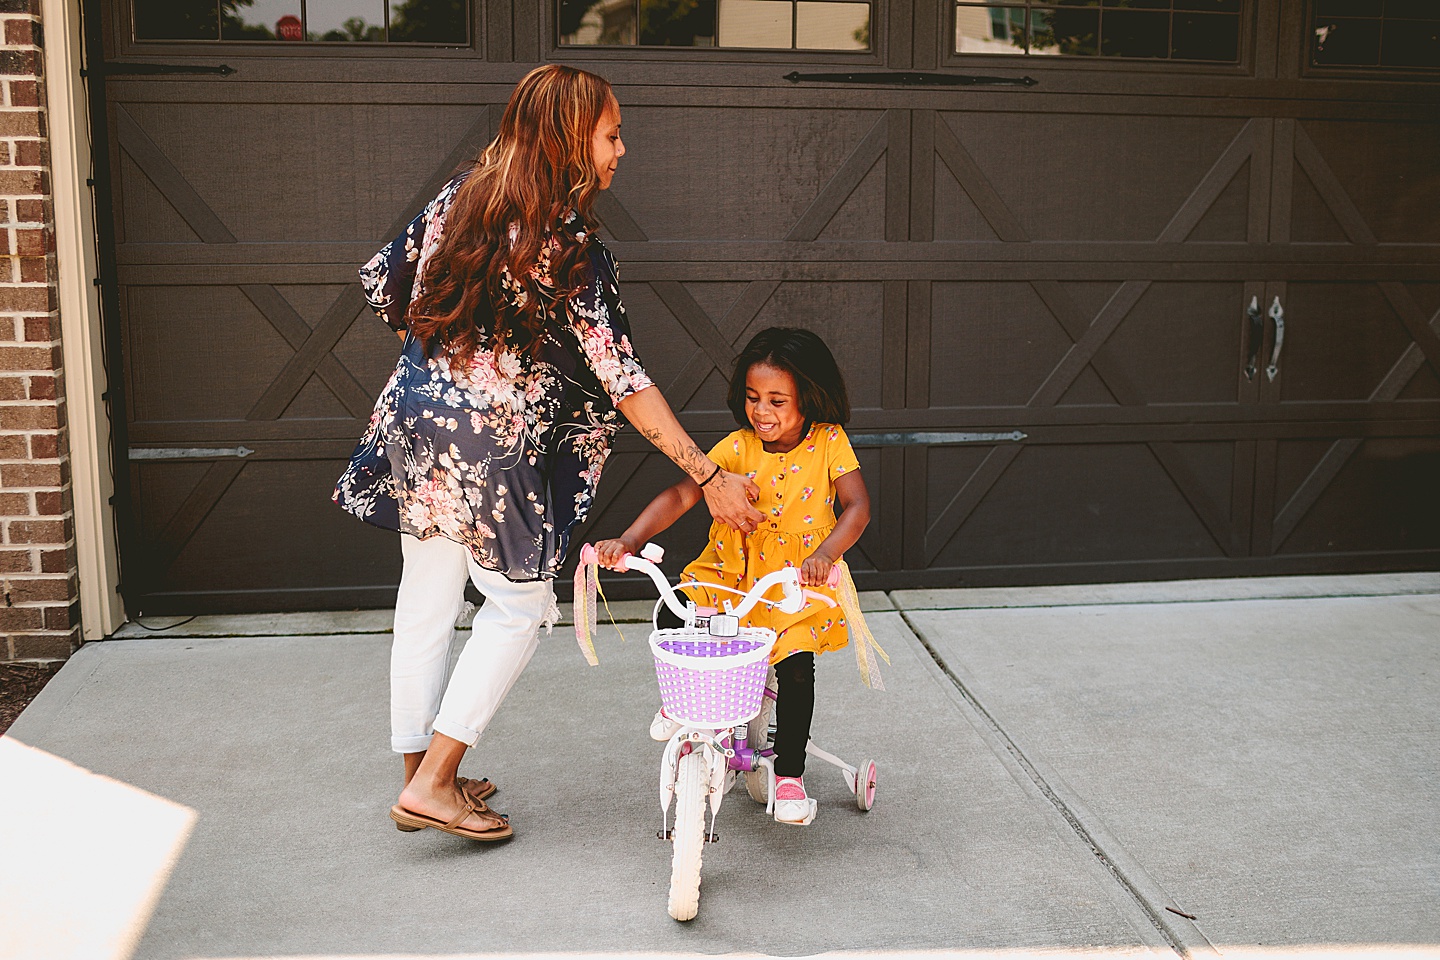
797	497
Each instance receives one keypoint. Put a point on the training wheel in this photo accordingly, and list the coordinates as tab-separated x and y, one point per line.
865	785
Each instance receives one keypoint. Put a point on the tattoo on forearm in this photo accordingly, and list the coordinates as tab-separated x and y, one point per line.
690	458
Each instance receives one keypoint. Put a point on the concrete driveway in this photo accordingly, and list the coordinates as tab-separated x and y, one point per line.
1133	769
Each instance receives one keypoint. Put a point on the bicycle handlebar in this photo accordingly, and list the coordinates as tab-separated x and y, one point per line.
788	579
631	561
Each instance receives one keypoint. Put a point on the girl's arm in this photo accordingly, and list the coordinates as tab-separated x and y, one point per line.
854	518
664	510
729	496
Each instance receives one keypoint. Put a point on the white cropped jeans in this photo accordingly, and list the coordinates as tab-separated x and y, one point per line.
506	632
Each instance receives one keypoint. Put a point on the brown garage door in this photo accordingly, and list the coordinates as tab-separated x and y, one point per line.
1040	292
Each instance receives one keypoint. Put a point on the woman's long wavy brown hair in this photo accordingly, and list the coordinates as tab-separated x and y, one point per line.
540	166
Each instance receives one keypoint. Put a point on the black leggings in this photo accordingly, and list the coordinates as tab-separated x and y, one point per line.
794	709
794	704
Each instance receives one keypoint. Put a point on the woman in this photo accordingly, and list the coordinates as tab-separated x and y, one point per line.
486	446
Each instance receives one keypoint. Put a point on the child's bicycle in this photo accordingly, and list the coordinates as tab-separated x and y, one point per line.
715	681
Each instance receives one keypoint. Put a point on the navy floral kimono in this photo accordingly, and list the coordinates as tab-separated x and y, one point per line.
503	456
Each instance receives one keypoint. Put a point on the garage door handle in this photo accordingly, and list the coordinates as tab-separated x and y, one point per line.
1257	332
1277	313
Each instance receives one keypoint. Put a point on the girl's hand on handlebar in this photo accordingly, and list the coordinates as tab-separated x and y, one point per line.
609	552
815	570
730	498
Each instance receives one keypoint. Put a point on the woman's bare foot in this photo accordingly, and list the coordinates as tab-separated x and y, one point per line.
442	802
476	789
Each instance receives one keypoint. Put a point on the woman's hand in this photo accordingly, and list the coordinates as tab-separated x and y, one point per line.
730	498
815	570
610	552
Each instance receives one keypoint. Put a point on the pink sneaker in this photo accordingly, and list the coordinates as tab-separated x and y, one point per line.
792	806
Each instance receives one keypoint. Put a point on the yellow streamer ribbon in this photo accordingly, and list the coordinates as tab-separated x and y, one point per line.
587	583
866	647
587	611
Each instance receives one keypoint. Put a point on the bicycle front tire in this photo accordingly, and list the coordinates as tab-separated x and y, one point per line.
688	837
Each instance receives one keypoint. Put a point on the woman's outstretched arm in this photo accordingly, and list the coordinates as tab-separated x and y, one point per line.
729	496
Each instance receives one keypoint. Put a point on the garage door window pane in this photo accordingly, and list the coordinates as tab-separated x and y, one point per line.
1405	35
1410	43
677	23
842	25
597	22
989	29
429	21
261	20
1064	31
1131	33
1412	10
832	26
1203	36
1204	30
345	21
756	23
177	20
1345	8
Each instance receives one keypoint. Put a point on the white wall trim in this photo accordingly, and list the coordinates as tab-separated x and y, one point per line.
101	610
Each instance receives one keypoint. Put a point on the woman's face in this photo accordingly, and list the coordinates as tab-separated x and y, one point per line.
772	404
606	145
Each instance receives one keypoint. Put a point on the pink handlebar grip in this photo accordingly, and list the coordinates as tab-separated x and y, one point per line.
834	579
588	554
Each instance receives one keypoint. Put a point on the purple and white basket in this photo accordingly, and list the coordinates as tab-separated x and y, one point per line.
708	681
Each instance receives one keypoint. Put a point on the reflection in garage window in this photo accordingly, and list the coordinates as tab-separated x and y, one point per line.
346	21
1205	30
737	24
1399	33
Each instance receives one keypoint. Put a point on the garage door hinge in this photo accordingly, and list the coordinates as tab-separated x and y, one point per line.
932	439
187	453
913	79
155	69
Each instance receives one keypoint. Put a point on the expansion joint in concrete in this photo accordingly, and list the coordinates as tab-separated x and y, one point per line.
1185	945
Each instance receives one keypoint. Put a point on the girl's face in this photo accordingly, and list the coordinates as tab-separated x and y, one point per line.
606	146
772	404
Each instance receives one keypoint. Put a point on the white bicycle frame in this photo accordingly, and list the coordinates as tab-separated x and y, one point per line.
709	739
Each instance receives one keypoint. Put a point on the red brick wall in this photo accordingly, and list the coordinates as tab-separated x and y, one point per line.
39	610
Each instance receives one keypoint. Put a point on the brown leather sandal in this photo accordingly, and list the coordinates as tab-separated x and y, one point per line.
406	818
481	789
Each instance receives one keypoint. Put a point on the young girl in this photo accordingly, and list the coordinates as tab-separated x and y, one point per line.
788	396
